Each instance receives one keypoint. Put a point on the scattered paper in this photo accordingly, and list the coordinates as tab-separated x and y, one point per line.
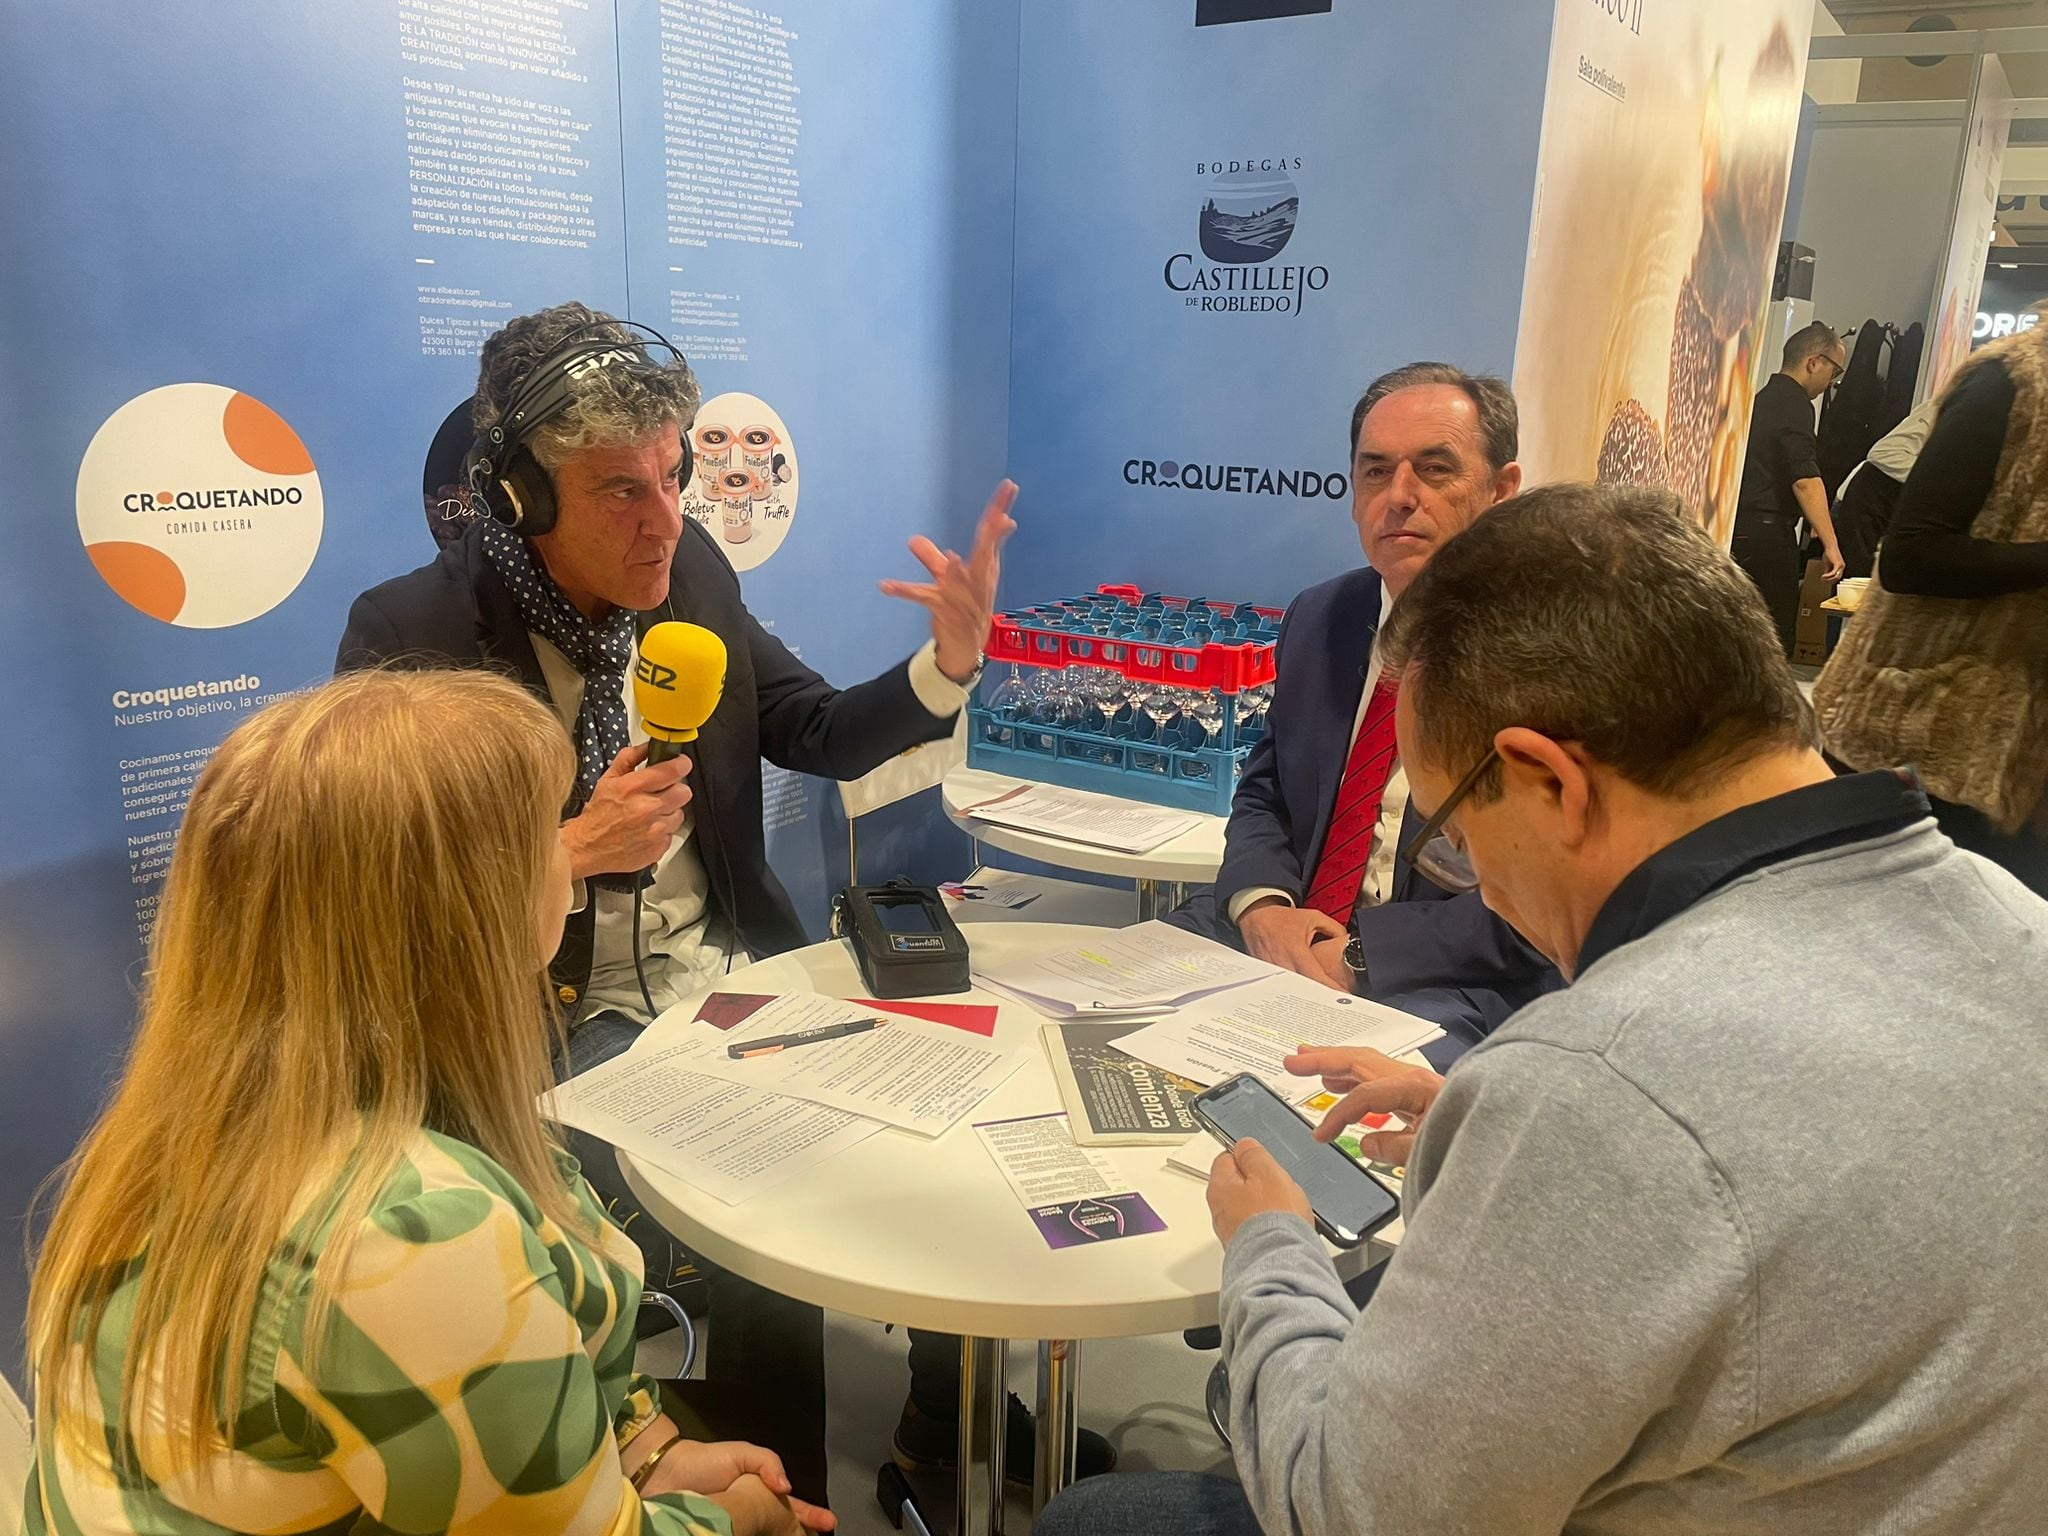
1009	898
728	1141
909	1073
1151	968
726	1010
1197	1155
1072	1223
1074	1196
1255	1028
1076	816
1043	1163
975	1018
1005	896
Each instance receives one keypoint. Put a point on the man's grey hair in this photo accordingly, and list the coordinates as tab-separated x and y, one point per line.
1808	341
1499	421
1599	615
611	407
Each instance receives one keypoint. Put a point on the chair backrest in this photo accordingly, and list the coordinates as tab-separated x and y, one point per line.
906	774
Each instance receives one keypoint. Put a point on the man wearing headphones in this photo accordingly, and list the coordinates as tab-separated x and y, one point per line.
578	545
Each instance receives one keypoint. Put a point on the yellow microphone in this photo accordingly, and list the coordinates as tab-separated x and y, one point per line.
676	685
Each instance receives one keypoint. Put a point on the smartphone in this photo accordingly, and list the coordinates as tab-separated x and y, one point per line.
1349	1203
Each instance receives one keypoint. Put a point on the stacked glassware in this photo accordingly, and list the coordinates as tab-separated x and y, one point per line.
1137	694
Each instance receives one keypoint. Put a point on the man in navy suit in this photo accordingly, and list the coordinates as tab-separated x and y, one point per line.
1311	879
563	609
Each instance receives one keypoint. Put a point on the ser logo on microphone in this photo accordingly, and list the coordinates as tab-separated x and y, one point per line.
655	675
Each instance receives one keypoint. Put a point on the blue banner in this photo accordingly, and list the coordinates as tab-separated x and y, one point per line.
1223	233
251	254
1142	256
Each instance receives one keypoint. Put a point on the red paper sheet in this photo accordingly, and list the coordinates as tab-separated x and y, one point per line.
975	1018
723	1010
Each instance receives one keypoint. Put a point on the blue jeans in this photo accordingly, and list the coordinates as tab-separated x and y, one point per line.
597	1039
1150	1504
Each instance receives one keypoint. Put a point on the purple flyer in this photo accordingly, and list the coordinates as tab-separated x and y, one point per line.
1095	1220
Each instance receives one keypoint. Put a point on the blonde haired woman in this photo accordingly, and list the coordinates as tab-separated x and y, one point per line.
319	1268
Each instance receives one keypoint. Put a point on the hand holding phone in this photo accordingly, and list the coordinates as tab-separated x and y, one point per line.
1346	1202
1244	1182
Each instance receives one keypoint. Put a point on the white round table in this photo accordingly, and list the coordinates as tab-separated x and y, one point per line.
1190	859
926	1233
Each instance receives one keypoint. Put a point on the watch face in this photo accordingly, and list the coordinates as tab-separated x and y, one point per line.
1354	954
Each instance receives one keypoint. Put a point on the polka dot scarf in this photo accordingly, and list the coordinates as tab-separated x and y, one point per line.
600	652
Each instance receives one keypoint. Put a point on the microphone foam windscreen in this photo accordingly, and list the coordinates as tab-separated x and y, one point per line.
678	680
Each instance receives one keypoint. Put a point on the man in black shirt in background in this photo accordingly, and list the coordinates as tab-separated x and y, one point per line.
1781	480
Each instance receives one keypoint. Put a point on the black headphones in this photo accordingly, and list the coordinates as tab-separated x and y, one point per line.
506	483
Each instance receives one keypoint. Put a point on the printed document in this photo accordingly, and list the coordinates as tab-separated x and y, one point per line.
910	1073
1039	1158
1255	1028
1072	1194
1152	968
729	1141
1076	816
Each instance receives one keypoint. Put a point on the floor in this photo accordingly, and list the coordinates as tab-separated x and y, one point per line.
1145	1394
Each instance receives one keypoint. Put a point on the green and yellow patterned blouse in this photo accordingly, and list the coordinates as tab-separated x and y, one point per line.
477	1378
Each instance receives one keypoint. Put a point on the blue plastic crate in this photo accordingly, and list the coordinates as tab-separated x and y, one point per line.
1141	638
1157	772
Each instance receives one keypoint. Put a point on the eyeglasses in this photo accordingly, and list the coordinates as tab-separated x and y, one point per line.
1433	851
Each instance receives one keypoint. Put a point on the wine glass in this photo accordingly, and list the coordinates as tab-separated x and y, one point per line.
1035	695
1096	686
1252	705
1061	702
1161	705
1005	703
1137	697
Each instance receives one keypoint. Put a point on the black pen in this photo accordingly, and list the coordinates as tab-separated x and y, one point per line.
768	1045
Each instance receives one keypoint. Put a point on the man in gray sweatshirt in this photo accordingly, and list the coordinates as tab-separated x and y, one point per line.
1747	1230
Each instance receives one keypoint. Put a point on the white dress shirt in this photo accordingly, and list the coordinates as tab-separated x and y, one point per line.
1899	449
1377	884
684	946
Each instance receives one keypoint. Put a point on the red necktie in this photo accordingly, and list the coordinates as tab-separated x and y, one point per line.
1347	848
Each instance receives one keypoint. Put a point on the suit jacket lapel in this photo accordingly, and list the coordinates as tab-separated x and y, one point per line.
678	609
1405	874
501	634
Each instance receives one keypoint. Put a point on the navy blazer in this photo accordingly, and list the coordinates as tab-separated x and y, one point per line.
1424	940
458	611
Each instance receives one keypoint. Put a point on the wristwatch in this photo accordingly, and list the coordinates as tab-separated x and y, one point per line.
1354	958
973	679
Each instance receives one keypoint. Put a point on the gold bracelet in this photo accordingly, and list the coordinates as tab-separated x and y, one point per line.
647	1467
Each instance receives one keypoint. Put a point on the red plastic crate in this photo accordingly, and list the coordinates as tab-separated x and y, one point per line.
1228	668
1132	594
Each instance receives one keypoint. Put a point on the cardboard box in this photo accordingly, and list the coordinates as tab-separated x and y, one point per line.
1810	637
